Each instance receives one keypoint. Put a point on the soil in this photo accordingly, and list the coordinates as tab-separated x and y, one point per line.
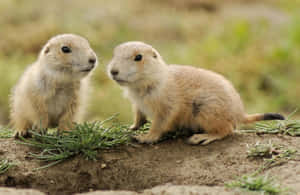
140	167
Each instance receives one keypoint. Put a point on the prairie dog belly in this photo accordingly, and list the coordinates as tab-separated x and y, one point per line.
144	105
149	103
57	105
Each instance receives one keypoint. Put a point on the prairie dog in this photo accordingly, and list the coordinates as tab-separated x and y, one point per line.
51	91
177	96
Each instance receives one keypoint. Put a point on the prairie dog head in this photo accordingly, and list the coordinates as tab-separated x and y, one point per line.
68	55
134	63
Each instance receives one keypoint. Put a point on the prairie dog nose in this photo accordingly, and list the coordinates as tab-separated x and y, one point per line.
114	72
92	61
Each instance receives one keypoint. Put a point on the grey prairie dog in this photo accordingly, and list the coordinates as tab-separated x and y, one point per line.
177	96
51	91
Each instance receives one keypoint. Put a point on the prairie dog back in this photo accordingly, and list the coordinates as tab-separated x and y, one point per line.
200	88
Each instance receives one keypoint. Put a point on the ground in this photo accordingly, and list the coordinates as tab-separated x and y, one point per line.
139	167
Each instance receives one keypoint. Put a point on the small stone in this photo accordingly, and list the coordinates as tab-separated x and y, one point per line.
103	165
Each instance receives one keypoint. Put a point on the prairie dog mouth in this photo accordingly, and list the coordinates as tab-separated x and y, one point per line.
120	81
87	69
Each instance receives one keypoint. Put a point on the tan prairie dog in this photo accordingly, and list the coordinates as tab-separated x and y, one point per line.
177	96
51	91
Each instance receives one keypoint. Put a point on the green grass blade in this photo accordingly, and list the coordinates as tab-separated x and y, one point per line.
85	139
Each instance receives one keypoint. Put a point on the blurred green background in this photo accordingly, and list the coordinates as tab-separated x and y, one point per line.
254	43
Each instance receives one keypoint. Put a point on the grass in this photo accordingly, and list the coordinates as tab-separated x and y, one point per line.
282	156
260	150
263	184
289	127
86	139
6	132
273	155
5	165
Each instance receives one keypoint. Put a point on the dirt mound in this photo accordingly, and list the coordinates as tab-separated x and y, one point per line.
140	167
170	190
13	191
159	190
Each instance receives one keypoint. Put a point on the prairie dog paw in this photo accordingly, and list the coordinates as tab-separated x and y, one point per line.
23	133
202	139
133	127
147	138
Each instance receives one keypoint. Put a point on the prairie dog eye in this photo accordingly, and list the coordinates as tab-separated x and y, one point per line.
138	57
66	49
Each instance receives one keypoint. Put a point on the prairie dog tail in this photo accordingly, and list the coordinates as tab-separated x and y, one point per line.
250	118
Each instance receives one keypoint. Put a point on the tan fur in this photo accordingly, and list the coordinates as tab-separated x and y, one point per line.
253	118
51	91
175	96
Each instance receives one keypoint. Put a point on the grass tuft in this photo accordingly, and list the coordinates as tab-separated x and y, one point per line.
262	184
6	133
273	155
280	157
260	150
5	165
86	139
286	127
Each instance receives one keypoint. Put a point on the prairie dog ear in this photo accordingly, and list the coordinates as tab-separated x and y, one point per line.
154	54
47	49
